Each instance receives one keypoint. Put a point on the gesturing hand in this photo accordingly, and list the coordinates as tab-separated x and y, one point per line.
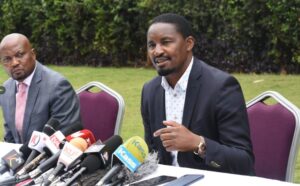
176	137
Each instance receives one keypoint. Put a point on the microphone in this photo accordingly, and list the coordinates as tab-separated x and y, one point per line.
37	140
99	154
147	167
131	155
72	128
85	133
88	165
69	154
35	162
52	146
13	160
56	138
2	89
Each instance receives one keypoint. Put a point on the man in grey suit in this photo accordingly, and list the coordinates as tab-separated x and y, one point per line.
49	94
194	115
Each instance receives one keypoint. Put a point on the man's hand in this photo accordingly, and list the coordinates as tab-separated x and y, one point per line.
176	137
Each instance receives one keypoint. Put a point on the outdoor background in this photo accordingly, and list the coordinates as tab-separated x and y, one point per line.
105	40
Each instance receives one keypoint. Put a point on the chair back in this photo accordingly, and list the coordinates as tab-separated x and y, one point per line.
102	111
274	130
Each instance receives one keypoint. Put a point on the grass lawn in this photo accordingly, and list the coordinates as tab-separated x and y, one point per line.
129	81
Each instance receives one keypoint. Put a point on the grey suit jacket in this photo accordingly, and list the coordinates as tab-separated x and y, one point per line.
214	108
50	95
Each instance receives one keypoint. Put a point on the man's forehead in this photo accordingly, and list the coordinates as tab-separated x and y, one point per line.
12	43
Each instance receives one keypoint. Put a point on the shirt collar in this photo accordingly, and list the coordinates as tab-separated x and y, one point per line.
182	82
28	80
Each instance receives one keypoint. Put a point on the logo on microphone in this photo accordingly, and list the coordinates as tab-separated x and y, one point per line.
13	160
34	140
127	158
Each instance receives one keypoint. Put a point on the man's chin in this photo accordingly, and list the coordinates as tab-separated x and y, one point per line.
18	77
164	72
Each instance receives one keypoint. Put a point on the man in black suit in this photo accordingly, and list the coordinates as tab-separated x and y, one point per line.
194	115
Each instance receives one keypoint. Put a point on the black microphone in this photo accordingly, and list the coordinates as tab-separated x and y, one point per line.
131	155
100	154
12	180
2	89
13	160
88	165
72	128
35	162
37	140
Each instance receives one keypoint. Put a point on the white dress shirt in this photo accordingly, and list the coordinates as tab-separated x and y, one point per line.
175	99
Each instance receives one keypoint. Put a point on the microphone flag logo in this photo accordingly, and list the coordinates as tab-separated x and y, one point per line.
127	158
13	159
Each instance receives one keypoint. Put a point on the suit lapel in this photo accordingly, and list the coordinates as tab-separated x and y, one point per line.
12	109
160	108
193	89
32	97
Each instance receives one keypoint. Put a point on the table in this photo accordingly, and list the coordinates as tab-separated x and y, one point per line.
215	178
211	178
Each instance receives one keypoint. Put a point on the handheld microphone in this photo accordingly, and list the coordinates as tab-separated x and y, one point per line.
35	162
37	140
70	153
13	160
99	154
88	165
2	89
85	133
72	128
52	146
56	138
131	155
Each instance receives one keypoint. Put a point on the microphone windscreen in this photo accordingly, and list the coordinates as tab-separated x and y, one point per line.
85	134
2	89
112	143
137	147
92	163
51	126
149	166
47	151
72	128
79	143
25	150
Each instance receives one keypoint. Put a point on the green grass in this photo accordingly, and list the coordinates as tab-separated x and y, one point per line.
129	81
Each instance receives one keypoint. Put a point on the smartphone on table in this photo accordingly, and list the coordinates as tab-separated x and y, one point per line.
154	181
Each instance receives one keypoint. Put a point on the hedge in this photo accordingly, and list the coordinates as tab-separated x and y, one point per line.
234	35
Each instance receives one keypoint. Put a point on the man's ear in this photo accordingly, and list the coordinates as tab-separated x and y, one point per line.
33	53
190	42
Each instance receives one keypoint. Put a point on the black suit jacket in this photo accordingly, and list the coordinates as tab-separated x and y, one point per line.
214	108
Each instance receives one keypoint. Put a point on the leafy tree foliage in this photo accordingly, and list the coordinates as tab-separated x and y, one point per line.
234	35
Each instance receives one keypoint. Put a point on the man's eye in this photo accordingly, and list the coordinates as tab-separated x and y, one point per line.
20	54
151	45
6	59
166	42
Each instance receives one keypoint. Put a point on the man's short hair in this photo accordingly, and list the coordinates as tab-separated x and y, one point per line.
181	24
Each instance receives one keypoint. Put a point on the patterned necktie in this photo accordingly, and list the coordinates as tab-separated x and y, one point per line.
20	106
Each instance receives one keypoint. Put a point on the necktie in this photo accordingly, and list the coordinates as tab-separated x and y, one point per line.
21	98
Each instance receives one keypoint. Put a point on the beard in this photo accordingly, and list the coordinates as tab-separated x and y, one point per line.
164	72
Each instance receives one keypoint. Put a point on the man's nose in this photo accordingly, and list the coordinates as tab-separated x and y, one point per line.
158	50
14	61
